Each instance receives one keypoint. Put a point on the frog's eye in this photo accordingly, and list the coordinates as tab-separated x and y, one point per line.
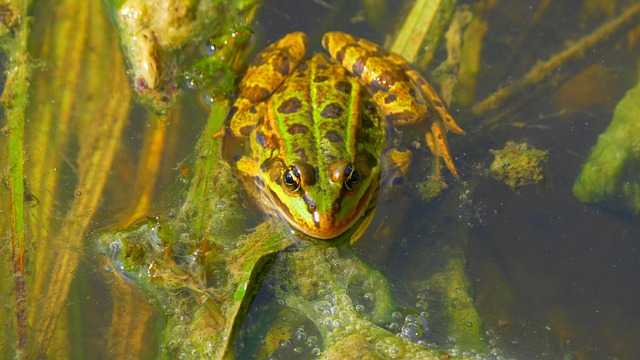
291	180
351	178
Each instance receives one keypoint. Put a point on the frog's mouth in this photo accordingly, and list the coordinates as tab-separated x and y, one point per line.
326	226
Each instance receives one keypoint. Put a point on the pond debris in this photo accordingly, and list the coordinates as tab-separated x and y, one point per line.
334	306
549	71
155	35
519	164
610	177
431	188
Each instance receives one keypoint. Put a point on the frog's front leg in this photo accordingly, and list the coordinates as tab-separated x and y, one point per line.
402	94
263	77
395	165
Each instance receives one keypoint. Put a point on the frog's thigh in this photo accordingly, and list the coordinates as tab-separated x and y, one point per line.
269	69
243	121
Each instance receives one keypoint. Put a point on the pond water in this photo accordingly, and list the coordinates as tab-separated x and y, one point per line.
551	277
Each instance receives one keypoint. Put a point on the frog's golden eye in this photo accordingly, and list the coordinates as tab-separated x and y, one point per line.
351	178
291	180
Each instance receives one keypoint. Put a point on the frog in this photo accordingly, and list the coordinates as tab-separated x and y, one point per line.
317	133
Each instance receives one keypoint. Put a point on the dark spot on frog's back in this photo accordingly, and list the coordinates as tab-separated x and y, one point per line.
301	154
343	86
320	78
290	105
334	136
297	129
332	111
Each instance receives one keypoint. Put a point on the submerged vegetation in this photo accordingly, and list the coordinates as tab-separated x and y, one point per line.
519	164
610	175
183	264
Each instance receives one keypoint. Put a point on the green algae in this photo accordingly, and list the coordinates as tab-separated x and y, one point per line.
519	164
610	177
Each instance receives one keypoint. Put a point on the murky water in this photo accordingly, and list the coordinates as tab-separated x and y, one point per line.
552	277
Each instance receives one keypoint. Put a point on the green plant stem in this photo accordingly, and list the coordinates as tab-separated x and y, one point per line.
15	98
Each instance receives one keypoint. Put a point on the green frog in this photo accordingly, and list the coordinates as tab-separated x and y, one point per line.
317	132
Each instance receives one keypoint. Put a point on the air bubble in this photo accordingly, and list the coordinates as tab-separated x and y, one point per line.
412	319
412	330
394	327
394	352
312	341
421	306
370	297
208	49
323	307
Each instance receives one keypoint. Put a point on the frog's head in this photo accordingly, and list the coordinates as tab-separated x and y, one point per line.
322	202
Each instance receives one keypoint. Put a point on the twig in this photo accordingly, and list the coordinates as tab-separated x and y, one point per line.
546	70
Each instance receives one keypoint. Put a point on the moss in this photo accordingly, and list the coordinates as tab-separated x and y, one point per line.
609	177
519	164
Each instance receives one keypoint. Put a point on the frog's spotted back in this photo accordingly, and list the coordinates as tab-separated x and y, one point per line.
315	129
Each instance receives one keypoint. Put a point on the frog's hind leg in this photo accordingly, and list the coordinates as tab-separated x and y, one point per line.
436	137
263	77
437	142
433	99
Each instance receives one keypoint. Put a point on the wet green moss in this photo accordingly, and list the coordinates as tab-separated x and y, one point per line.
519	164
610	176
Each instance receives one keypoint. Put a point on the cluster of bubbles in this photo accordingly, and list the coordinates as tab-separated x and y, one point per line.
414	325
302	343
